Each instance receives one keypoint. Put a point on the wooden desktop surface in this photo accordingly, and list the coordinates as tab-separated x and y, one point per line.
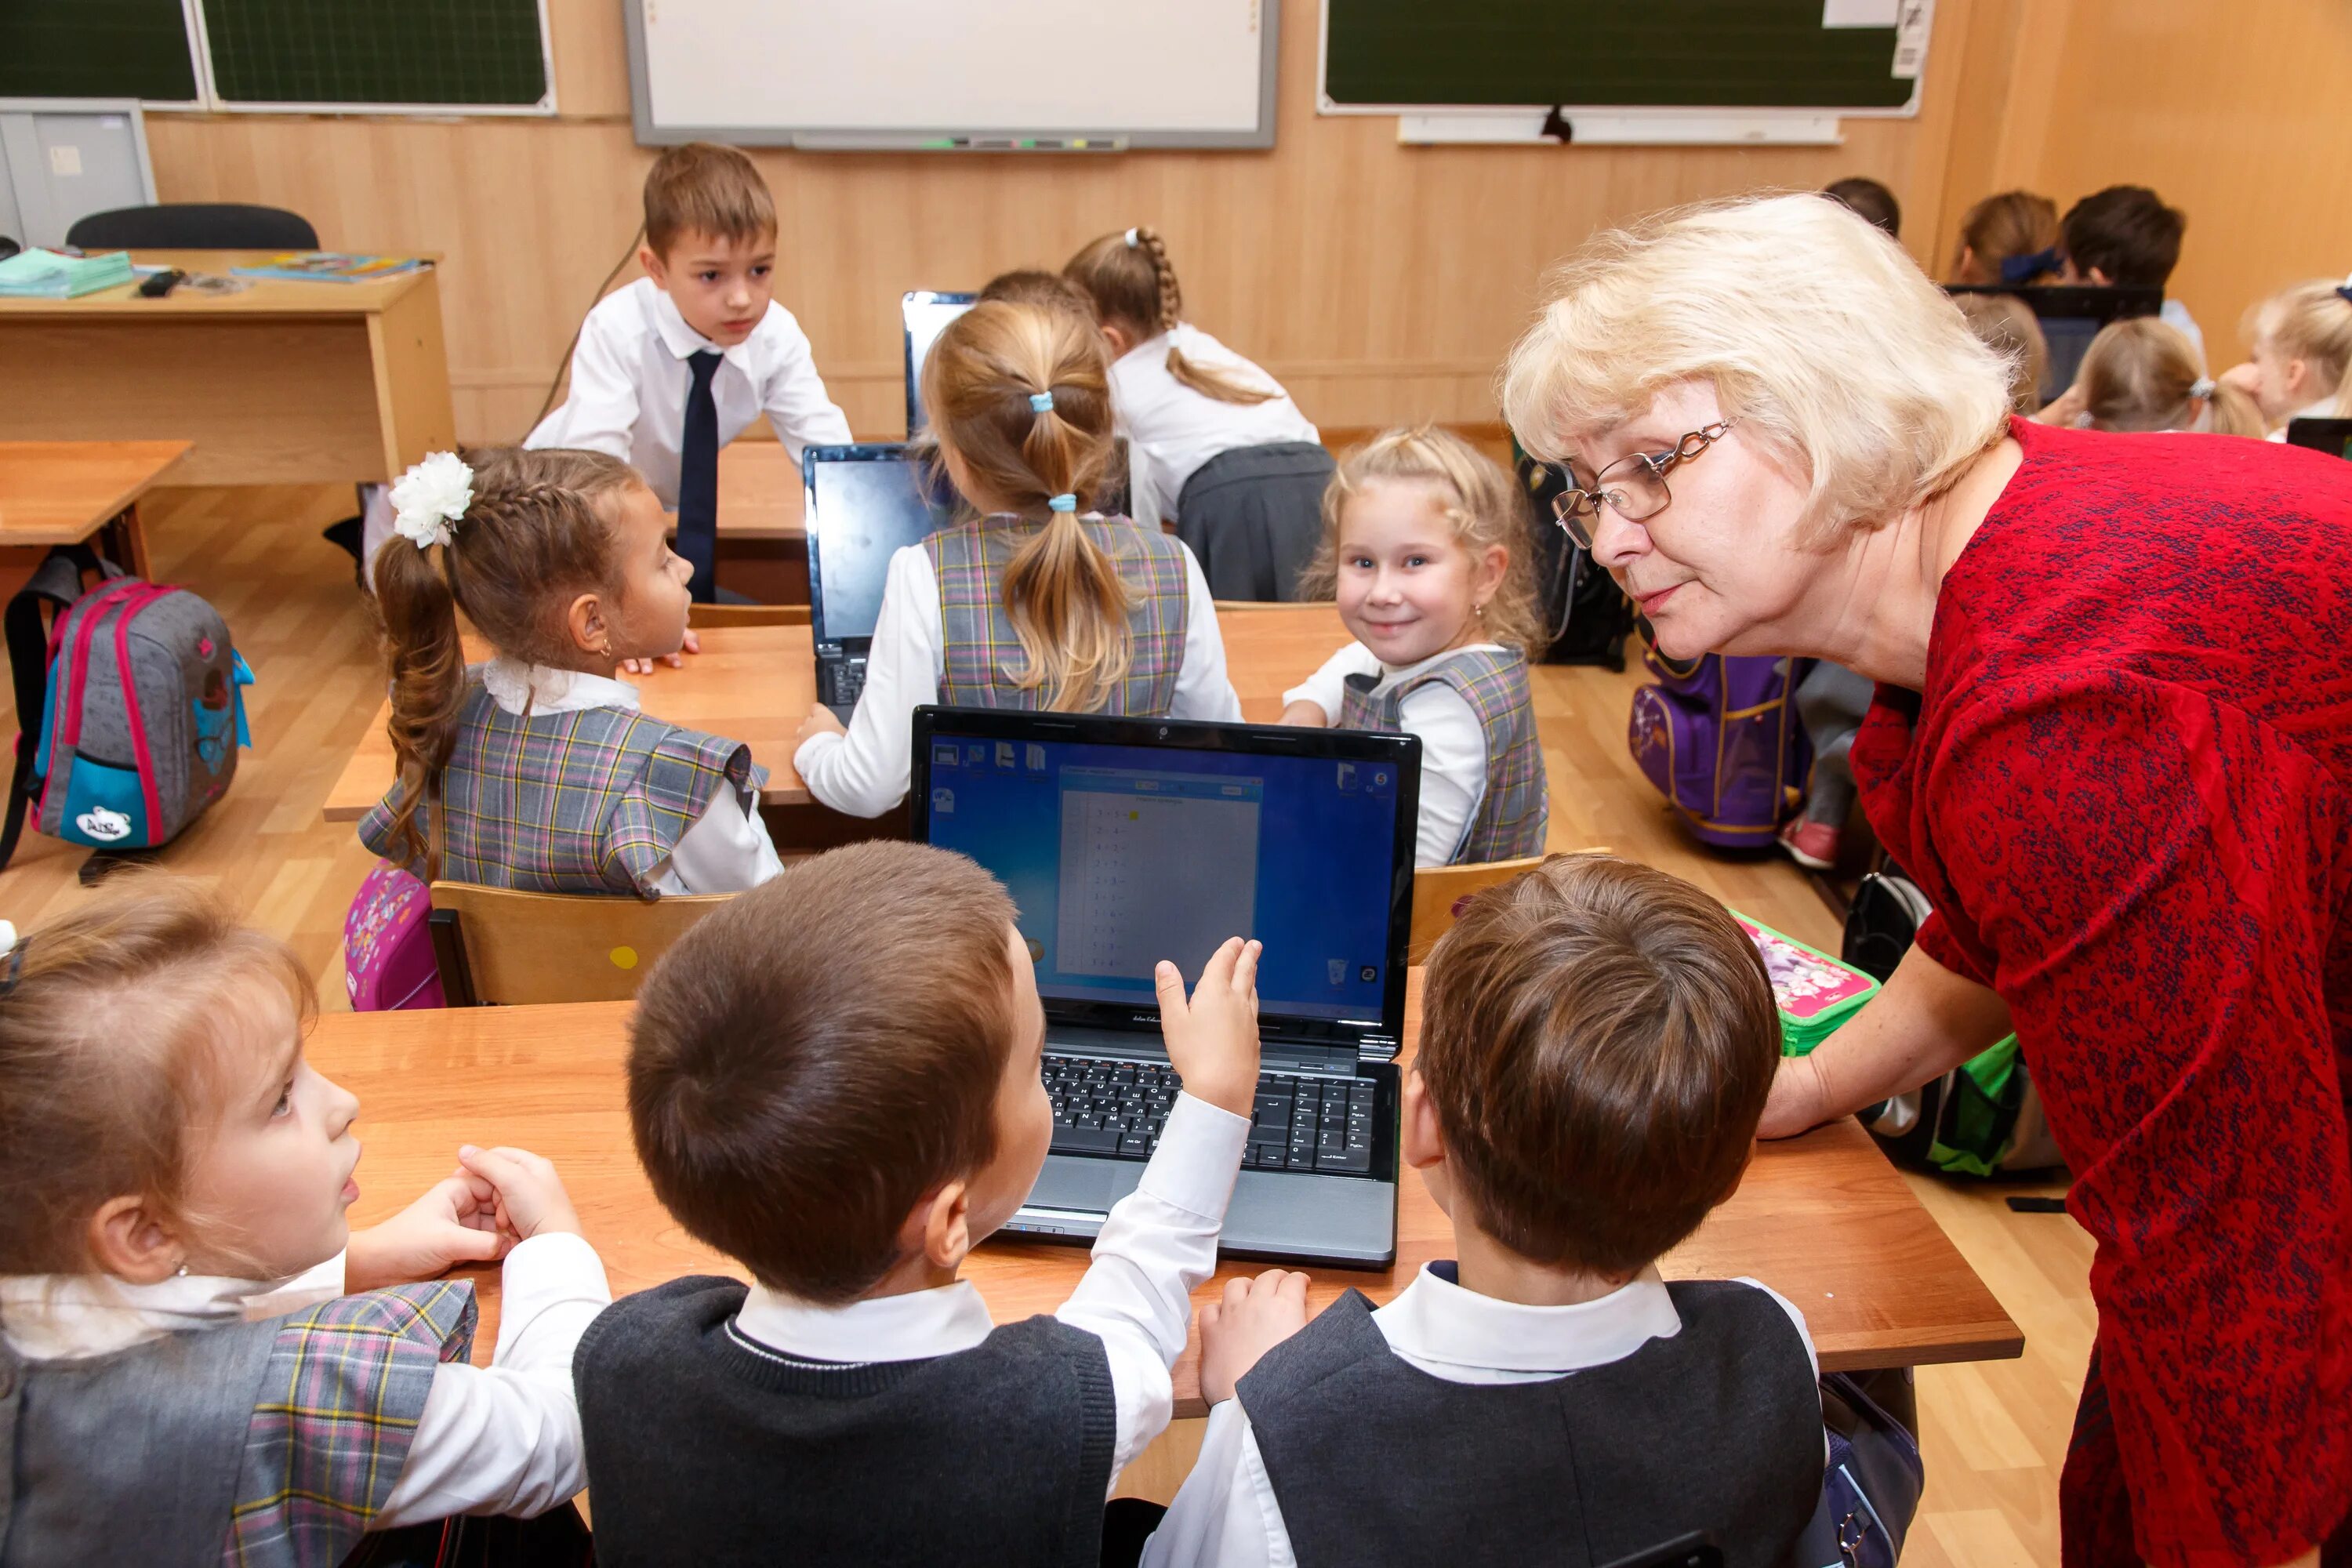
260	296
755	684
759	492
59	492
1823	1219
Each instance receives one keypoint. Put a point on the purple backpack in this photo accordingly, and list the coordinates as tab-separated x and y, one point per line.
1720	738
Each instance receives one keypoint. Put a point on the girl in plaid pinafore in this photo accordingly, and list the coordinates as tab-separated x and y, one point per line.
183	1378
1039	600
1421	548
543	773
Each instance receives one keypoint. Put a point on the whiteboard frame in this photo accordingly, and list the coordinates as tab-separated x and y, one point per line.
924	139
1736	120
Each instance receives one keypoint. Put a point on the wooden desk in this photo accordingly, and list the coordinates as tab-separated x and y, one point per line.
281	383
61	492
760	496
1823	1219
755	684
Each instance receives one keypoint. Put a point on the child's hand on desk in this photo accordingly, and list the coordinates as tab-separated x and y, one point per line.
528	1196
455	1222
820	722
1307	716
1212	1039
645	665
1256	1316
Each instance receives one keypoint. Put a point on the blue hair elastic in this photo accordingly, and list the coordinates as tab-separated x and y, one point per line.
1062	502
1040	402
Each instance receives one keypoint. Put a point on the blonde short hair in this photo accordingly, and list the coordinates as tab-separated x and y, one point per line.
1818	332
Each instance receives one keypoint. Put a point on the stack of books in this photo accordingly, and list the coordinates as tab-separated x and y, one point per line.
331	267
54	275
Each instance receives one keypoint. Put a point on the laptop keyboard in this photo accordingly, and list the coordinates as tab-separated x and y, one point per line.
845	680
1115	1109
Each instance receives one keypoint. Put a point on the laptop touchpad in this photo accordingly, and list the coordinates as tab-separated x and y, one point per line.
1088	1186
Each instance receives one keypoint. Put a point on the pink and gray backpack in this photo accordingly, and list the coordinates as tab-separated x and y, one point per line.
130	703
1721	737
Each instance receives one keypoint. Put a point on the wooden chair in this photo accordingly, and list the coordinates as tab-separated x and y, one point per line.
1437	888
706	615
493	945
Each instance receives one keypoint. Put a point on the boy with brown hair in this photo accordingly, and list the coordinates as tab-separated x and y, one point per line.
674	367
834	1080
1597	1042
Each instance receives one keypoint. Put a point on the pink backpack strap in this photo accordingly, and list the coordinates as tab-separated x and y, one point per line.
132	605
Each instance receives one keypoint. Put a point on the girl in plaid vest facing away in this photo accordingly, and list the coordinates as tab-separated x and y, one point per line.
1039	600
183	1375
1422	548
545	773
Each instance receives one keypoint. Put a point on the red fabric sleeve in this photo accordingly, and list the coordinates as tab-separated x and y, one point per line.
2154	869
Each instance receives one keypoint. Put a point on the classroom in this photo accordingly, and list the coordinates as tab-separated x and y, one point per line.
1176	783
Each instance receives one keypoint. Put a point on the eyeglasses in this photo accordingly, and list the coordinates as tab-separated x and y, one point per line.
1633	486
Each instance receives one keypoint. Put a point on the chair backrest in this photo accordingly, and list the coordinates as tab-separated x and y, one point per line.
195	226
518	949
1437	888
708	615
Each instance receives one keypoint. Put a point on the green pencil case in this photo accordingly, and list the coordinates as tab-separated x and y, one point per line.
1816	993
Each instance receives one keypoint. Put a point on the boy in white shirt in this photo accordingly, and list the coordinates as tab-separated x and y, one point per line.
836	1080
1598	1039
681	361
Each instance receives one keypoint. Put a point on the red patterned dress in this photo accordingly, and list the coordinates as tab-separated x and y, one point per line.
2127	789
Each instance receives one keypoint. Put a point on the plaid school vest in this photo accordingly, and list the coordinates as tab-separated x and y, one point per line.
589	801
1517	806
983	656
267	1444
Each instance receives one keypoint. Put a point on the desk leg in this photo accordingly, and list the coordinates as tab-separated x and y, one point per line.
126	543
411	378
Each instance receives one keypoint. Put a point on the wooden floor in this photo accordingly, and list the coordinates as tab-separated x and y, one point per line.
1994	1434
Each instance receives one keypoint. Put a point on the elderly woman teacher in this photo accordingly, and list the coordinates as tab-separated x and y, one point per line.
2112	742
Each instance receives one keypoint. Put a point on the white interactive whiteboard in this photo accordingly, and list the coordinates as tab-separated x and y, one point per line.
989	76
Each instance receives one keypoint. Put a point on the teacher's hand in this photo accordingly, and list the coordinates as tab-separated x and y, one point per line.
1797	1100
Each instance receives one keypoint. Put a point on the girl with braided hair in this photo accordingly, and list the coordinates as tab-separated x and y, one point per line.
546	775
1214	445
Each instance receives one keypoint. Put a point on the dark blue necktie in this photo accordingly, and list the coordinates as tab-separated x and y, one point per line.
697	479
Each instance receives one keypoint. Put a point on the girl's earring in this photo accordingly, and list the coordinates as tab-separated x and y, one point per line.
182	1271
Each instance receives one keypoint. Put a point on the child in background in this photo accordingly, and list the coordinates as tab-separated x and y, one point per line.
1597	1042
2005	322
2010	239
681	361
1868	200
2301	339
1040	600
174	1257
835	1081
1035	286
1215	446
547	776
2125	237
2143	374
1421	548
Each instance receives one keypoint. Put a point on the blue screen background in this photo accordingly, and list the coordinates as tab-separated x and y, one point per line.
1322	872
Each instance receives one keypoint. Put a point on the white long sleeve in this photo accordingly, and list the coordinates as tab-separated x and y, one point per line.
1452	743
1156	1246
505	1439
864	773
725	850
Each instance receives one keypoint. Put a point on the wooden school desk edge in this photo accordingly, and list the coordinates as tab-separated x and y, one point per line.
145	464
263	297
1928	1305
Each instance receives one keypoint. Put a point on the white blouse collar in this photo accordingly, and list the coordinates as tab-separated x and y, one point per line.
59	1317
535	688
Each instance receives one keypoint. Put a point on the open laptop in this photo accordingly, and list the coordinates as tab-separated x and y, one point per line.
1125	841
2333	436
862	505
2070	316
926	312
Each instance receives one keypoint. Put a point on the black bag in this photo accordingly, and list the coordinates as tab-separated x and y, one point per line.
1587	617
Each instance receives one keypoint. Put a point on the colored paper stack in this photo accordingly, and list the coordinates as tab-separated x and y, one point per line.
54	275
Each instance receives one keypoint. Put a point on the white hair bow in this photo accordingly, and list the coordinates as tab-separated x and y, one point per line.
430	498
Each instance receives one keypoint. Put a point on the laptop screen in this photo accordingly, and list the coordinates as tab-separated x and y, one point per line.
927	313
2331	435
864	504
1121	854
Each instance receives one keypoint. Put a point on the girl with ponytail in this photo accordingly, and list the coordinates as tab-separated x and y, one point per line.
543	772
1214	445
1040	601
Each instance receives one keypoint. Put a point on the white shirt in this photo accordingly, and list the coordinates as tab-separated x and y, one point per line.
2176	314
1452	742
503	1438
2319	410
629	382
863	773
725	850
1157	1243
1226	1515
1171	429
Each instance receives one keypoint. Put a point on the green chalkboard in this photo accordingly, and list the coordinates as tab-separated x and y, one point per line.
96	48
456	52
1685	54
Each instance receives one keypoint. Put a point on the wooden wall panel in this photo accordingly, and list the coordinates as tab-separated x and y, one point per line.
1380	282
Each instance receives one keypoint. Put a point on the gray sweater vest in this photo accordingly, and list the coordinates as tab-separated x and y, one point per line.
705	1447
1374	1461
